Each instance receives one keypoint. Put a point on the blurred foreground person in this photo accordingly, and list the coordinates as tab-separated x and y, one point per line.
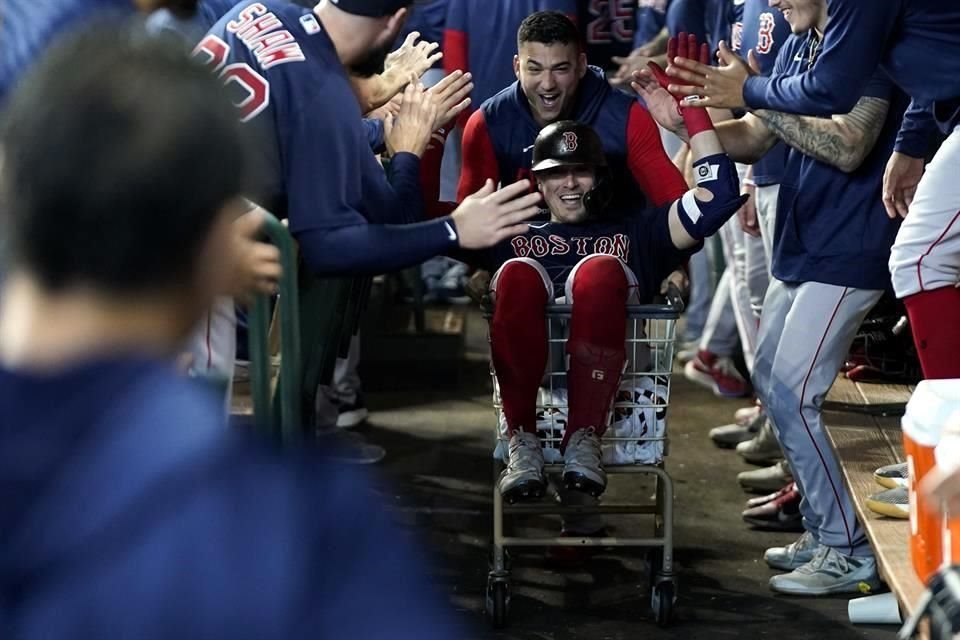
127	510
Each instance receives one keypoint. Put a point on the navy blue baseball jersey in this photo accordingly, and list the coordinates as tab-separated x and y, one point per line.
317	169
191	28
651	18
428	17
764	31
831	226
724	19
688	16
606	27
642	241
131	510
915	41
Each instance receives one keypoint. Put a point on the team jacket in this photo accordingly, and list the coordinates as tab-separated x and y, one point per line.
498	143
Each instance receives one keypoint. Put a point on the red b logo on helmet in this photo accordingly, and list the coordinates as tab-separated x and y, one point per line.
569	141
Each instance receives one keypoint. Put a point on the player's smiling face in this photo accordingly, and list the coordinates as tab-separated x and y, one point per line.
563	189
802	15
549	75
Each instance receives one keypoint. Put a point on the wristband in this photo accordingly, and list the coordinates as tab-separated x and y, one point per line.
696	119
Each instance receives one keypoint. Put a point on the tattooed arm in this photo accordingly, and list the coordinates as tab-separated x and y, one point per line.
841	141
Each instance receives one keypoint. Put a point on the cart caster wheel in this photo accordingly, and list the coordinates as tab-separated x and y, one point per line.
498	601
662	598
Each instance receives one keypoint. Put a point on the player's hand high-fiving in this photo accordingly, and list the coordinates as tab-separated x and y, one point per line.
410	130
452	96
490	216
412	57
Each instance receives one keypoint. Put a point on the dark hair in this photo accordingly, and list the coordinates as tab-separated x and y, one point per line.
120	152
548	27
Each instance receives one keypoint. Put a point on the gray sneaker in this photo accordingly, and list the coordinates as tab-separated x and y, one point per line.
892	475
829	571
794	555
523	479
582	469
893	503
768	479
763	448
730	435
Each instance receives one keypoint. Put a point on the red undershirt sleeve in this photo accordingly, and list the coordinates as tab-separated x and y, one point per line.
657	176
479	158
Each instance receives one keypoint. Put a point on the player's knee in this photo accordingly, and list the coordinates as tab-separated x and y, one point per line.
599	276
522	281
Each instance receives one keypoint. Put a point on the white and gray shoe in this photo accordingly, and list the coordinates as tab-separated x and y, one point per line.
767	479
523	479
730	435
892	475
582	469
763	448
794	555
829	571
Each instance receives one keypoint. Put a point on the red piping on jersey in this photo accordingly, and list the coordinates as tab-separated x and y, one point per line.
932	247
653	170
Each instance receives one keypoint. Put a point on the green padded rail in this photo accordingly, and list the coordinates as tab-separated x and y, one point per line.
290	426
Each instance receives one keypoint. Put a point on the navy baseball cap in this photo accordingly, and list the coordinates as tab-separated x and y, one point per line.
372	8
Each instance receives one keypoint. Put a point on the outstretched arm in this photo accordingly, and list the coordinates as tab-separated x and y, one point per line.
701	211
842	141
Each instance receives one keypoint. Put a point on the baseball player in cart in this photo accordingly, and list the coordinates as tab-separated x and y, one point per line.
604	258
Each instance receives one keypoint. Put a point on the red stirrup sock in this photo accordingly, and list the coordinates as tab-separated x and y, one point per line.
935	323
518	337
598	331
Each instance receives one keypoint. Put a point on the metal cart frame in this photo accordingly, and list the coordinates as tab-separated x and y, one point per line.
651	332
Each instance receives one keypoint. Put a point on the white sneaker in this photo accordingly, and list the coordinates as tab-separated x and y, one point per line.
829	571
582	470
772	478
794	555
763	448
730	435
523	479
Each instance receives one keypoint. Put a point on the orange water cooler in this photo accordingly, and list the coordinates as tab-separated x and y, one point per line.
928	412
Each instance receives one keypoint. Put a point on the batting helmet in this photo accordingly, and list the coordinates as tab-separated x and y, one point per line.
568	143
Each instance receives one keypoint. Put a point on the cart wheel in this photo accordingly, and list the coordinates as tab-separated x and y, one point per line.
498	601
662	597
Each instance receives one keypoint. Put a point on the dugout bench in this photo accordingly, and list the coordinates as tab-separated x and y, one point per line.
863	427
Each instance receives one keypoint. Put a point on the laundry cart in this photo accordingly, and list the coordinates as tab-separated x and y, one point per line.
635	442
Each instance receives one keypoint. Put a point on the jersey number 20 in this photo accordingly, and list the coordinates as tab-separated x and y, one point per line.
254	85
